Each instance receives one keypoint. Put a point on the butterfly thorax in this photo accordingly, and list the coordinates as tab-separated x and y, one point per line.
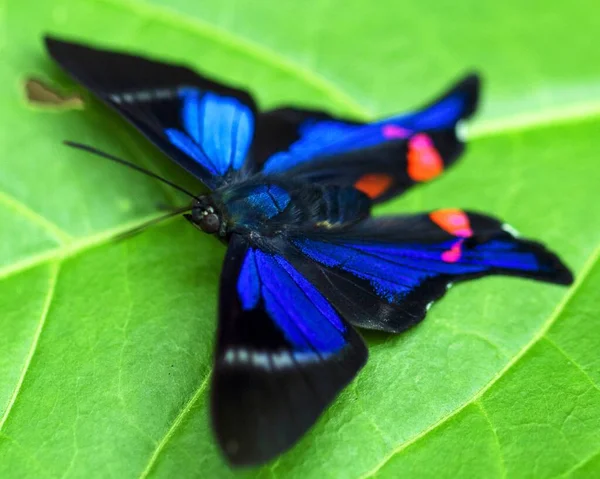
270	208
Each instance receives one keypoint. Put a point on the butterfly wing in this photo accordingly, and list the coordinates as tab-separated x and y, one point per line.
385	273
382	159
205	127
283	354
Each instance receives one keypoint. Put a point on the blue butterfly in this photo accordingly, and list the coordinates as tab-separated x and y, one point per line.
291	195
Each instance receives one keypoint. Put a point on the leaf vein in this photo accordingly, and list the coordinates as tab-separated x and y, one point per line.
495	434
34	343
581	464
176	423
571	360
61	236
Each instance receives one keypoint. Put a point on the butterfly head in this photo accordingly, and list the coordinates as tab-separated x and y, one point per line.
206	216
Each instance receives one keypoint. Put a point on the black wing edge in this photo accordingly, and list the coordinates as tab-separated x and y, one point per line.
469	87
262	405
289	117
104	71
358	303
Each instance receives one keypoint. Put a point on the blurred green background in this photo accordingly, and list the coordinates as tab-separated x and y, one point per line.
105	346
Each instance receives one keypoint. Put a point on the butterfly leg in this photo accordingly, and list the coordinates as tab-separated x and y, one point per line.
165	207
140	228
190	218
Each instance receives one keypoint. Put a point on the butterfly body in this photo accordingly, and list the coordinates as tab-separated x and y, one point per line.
291	195
269	208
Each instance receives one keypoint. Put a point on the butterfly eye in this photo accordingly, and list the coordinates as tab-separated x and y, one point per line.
204	216
210	223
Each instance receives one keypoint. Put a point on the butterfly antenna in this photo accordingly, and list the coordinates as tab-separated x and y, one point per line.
108	156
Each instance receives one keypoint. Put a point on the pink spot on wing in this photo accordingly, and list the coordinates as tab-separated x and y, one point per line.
463	233
454	253
393	132
421	141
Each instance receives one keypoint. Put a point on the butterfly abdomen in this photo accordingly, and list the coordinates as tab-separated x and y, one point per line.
336	207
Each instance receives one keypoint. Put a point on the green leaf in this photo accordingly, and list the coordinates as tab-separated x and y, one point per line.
105	350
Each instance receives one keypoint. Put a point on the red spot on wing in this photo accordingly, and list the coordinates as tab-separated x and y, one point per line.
373	184
424	161
455	222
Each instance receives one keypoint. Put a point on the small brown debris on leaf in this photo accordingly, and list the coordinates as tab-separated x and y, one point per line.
39	93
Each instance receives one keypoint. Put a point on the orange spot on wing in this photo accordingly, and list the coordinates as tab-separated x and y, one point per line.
373	184
424	161
454	221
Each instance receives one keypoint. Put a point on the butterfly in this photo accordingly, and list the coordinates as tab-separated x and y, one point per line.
291	192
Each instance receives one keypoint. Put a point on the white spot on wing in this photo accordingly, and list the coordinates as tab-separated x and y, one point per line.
164	94
243	356
304	358
260	360
462	131
510	230
281	360
144	96
267	361
230	356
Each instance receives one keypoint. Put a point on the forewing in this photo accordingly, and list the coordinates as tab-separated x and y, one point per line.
204	126
283	354
382	159
386	273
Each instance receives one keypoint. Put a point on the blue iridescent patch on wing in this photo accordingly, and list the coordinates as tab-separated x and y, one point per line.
248	285
299	310
319	139
443	114
396	270
218	130
331	137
